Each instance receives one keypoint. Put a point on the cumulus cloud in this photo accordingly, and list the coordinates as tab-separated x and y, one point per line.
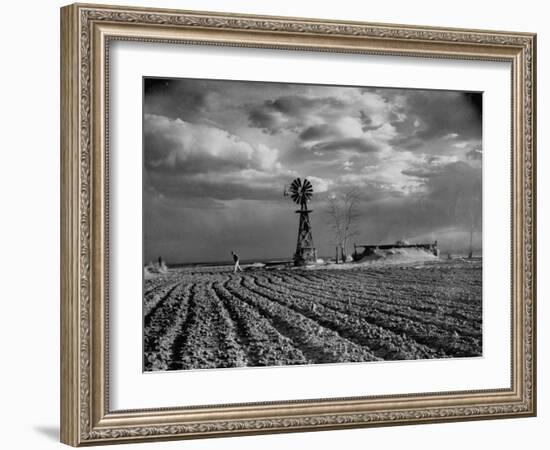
320	185
178	146
291	112
194	160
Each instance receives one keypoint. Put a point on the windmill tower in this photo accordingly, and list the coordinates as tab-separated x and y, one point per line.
301	192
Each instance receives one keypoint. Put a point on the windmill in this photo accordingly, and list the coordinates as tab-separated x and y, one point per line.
300	192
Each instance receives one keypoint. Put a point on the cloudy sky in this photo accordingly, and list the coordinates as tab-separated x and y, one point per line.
217	155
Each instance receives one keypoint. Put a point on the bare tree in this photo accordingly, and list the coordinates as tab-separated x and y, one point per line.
343	212
334	214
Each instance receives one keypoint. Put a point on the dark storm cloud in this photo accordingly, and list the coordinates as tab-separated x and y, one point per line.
407	141
355	144
367	123
420	173
266	120
426	115
294	105
183	99
317	132
453	191
290	112
450	200
215	187
444	113
431	169
476	101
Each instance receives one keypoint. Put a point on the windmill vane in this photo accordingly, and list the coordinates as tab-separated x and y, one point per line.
301	192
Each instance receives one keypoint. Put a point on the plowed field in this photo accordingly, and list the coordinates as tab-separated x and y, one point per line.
199	318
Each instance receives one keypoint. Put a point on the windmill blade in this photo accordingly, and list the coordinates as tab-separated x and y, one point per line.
300	190
296	186
307	188
297	183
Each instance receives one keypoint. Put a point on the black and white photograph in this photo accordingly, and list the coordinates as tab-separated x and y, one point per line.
295	224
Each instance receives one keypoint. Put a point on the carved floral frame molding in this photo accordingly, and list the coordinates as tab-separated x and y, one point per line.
86	31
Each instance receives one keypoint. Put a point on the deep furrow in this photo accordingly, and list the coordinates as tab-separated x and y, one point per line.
159	342
206	336
429	301
425	335
159	283
155	307
356	284
378	339
448	340
161	319
228	334
363	301
368	289
396	275
437	294
444	277
364	297
319	344
264	345
181	338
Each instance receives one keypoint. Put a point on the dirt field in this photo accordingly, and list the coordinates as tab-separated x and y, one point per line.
210	317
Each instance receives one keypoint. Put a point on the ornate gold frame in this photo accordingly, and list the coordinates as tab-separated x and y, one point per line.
86	31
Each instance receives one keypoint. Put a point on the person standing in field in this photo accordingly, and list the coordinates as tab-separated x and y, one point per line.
236	261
